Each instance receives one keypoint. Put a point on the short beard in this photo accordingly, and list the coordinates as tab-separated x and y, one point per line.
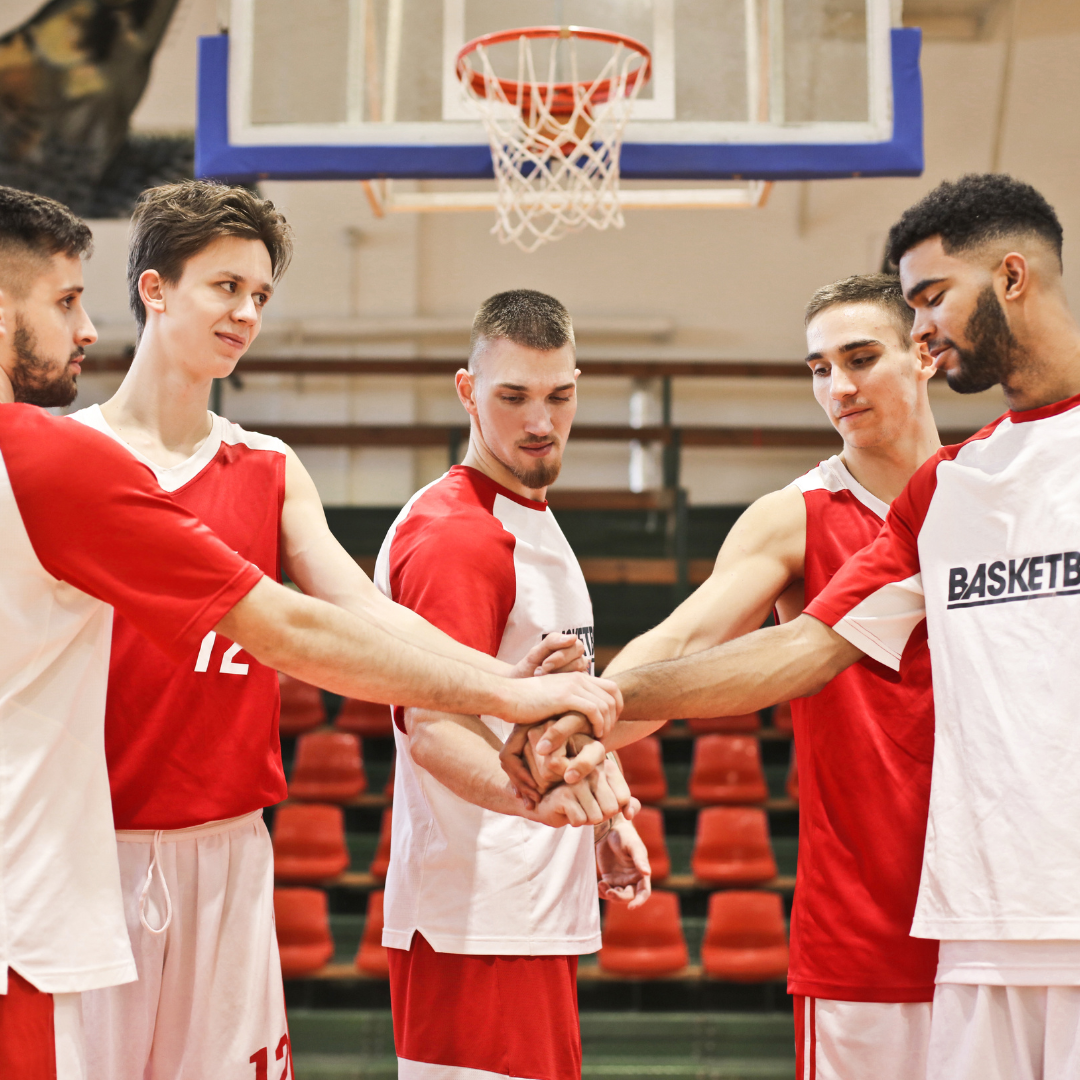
544	473
994	353
34	379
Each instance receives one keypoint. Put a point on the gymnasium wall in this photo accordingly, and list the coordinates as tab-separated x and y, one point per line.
676	284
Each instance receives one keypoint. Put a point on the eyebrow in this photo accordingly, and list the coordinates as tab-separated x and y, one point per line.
525	389
914	291
851	346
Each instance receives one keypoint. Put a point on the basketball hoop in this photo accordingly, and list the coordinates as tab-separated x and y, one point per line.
554	145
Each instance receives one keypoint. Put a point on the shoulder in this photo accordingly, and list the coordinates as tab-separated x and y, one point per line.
774	520
235	435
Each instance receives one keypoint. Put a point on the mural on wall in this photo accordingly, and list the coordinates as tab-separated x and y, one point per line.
70	78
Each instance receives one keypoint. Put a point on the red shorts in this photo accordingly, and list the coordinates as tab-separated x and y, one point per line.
503	1015
27	1038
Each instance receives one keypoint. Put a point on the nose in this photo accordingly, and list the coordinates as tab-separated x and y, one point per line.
86	334
841	384
539	421
923	328
246	311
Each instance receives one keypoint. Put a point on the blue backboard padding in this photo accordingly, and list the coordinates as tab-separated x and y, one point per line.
902	155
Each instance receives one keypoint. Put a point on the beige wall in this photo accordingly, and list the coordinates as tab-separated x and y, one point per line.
732	283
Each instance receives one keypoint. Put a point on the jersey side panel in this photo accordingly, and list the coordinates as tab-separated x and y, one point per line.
198	741
864	745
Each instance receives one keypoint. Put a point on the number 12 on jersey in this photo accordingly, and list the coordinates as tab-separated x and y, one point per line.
228	665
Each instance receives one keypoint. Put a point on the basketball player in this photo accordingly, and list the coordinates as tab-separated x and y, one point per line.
196	864
486	911
862	985
982	544
83	526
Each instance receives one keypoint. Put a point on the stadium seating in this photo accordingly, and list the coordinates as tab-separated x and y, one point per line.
371	956
328	767
727	769
644	770
726	725
732	846
646	942
381	863
365	718
745	940
309	843
302	706
791	786
650	826
303	930
781	717
388	791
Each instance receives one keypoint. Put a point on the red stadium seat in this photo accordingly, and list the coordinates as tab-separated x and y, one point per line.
365	718
309	843
371	956
732	846
726	725
745	939
727	769
302	706
328	768
646	942
649	823
644	769
303	930
792	783
381	863
781	717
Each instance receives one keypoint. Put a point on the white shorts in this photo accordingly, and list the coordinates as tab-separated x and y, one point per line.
861	1040
209	1001
1005	1033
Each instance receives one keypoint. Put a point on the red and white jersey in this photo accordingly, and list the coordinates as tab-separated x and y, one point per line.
865	745
196	740
494	571
82	526
984	543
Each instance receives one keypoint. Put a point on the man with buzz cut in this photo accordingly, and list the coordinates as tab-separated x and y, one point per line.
486	908
983	548
192	748
862	986
85	529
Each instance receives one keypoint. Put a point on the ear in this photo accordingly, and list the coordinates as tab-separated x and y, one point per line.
152	291
465	384
927	364
1015	274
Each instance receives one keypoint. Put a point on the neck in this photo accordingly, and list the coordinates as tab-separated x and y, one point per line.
7	391
885	470
1050	362
480	457
161	400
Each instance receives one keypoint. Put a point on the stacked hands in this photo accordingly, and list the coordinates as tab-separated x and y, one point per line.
562	772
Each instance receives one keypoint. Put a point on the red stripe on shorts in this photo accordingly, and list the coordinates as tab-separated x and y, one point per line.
512	1015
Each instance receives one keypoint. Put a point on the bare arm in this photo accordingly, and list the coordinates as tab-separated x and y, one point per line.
462	753
321	567
759	566
324	645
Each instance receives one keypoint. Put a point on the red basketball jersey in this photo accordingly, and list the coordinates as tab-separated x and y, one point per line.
197	741
865	745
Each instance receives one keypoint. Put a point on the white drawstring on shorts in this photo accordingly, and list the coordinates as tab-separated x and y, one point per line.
155	860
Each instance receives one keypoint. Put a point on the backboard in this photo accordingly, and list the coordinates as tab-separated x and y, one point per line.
741	89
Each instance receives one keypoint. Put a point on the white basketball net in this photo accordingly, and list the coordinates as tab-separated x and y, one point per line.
555	173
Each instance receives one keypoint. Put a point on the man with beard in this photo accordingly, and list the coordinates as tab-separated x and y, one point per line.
486	912
983	549
84	529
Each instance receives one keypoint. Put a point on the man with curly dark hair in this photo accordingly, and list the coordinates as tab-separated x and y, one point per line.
981	531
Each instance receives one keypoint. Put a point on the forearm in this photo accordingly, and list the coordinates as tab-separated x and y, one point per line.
332	648
462	754
740	676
